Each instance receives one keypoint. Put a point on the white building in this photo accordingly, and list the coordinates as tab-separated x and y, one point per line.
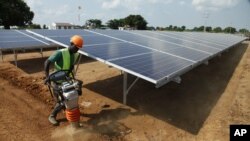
126	27
62	26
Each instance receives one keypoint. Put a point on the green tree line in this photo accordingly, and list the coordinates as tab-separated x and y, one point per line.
228	29
138	22
131	21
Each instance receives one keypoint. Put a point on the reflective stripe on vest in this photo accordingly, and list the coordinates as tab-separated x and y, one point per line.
66	60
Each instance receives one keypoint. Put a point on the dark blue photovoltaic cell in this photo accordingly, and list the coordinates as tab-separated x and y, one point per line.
180	51
99	46
180	41
112	51
223	39
58	33
12	39
155	65
4	33
87	40
16	45
64	36
181	36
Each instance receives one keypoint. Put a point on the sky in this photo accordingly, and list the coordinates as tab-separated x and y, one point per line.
190	13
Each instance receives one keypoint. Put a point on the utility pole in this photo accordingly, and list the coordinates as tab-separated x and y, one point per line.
245	32
79	14
230	28
205	16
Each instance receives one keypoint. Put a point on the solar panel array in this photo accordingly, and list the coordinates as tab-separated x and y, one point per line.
20	39
155	56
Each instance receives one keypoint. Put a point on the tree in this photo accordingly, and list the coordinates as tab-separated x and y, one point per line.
132	21
230	30
183	28
136	21
150	28
93	23
217	29
170	27
208	29
166	28
15	13
175	28
115	23
34	26
195	29
45	27
159	28
243	30
201	28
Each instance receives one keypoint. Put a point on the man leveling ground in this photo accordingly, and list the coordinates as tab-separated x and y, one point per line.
64	86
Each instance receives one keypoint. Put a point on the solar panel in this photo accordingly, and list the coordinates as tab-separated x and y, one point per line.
154	56
158	57
17	39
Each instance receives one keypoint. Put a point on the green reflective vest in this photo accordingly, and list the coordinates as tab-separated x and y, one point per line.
66	60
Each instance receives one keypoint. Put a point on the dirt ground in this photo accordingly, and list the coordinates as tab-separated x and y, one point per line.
209	99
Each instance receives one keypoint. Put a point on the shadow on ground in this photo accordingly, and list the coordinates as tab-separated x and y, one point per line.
107	122
186	105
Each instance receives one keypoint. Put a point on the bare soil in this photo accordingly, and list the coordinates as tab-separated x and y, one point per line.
209	99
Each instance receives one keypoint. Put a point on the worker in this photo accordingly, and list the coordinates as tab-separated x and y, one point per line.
63	59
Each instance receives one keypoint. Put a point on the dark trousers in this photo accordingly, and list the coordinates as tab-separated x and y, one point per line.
59	104
58	107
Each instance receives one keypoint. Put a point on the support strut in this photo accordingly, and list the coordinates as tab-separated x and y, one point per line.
15	57
126	89
41	51
78	62
1	52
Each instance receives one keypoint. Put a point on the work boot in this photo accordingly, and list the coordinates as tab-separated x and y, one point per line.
52	119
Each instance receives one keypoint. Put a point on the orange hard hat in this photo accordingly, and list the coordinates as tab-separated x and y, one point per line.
77	41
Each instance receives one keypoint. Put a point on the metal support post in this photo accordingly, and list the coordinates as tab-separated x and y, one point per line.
41	51
78	62
125	92
1	52
177	79
15	57
125	85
